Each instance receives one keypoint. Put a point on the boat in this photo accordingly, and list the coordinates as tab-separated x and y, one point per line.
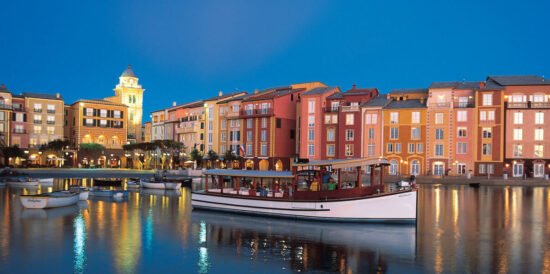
21	182
83	192
108	193
49	200
160	192
45	180
107	181
163	184
333	190
133	184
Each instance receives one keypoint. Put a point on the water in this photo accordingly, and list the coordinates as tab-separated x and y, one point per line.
460	229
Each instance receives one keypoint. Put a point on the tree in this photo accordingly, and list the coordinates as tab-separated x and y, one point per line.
92	149
11	152
55	146
212	156
196	156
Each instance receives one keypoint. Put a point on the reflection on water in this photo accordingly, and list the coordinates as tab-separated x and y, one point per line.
460	229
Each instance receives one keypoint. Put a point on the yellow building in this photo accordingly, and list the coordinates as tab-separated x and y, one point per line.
147	132
5	111
130	93
212	119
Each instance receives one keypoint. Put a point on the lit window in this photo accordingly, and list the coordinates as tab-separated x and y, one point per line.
518	118
483	115
462	132
349	119
518	151
539	151
487	99
486	149
349	150
439	118
518	134
487	132
539	118
311	106
539	134
394	118
462	116
415	118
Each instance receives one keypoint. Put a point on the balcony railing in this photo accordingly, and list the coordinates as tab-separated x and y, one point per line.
5	106
486	122
232	114
540	104
350	108
330	110
257	112
440	105
18	108
518	105
50	122
19	131
50	111
37	110
463	104
37	121
131	136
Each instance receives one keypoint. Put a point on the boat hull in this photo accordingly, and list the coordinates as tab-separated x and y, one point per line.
161	185
43	181
23	184
48	201
389	208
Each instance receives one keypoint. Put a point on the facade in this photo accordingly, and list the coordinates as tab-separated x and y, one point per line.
158	130
317	124
212	119
18	125
102	122
5	114
463	124
147	132
527	148
130	93
45	114
405	132
372	131
440	132
349	138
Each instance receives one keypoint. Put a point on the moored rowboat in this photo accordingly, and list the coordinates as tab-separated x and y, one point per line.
21	183
49	200
160	184
83	192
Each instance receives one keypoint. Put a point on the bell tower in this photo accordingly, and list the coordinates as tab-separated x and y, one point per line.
129	92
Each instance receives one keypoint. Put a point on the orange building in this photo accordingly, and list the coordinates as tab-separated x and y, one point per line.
404	131
102	122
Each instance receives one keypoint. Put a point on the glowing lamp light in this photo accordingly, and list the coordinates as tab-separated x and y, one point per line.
507	165
514	162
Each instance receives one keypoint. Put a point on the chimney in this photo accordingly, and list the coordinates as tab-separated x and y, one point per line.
422	100
3	86
354	86
57	95
388	96
220	94
256	91
481	84
174	103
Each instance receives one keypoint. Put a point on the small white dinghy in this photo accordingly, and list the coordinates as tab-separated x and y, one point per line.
132	184
83	192
160	184
49	200
21	182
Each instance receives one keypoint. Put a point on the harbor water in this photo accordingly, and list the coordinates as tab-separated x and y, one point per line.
459	229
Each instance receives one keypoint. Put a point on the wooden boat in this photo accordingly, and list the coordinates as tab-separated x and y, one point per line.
108	193
107	181
21	182
83	192
348	198
49	200
164	184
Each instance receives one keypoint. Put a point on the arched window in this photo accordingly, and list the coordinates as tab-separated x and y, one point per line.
415	167
393	167
101	139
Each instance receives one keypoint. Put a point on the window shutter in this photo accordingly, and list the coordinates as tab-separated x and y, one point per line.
24	117
13	116
83	121
121	114
121	124
83	111
95	122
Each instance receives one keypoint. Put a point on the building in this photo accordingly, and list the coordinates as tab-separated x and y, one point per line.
212	118
313	112
527	147
190	130
348	130
19	125
147	132
464	128
158	129
130	93
102	122
489	135
405	132
372	131
5	114
231	124
45	114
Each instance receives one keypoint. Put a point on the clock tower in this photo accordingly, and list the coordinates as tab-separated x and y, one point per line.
130	93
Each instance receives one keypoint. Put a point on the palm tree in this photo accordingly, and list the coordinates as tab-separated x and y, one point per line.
55	146
196	156
212	156
11	152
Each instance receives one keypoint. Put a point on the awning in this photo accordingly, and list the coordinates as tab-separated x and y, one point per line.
345	163
249	173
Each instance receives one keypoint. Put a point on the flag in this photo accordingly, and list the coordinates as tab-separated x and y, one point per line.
241	148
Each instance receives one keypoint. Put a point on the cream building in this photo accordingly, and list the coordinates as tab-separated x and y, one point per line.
130	93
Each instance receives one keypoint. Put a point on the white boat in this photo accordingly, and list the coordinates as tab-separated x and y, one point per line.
132	184
49	200
108	193
345	200
83	192
160	184
45	181
22	182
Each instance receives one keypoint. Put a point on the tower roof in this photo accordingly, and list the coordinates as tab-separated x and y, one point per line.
128	72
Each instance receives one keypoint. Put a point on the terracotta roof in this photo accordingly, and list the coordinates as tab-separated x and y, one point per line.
274	94
4	89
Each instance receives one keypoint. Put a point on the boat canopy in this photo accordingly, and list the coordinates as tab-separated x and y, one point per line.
249	173
345	163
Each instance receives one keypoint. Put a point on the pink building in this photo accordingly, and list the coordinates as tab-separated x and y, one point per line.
19	134
464	124
372	127
314	116
527	147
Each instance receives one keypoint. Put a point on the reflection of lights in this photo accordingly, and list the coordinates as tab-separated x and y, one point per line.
202	233
149	230
79	244
455	206
203	251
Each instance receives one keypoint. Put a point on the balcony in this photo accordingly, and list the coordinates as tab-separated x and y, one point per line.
440	105
5	106
186	129
463	104
330	110
517	105
19	131
37	110
540	104
131	136
51	111
256	112
37	121
486	122
232	114
350	108
18	108
50	122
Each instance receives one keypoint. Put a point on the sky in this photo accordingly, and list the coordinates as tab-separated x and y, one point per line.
189	50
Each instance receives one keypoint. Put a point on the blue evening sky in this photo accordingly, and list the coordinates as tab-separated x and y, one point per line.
188	50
